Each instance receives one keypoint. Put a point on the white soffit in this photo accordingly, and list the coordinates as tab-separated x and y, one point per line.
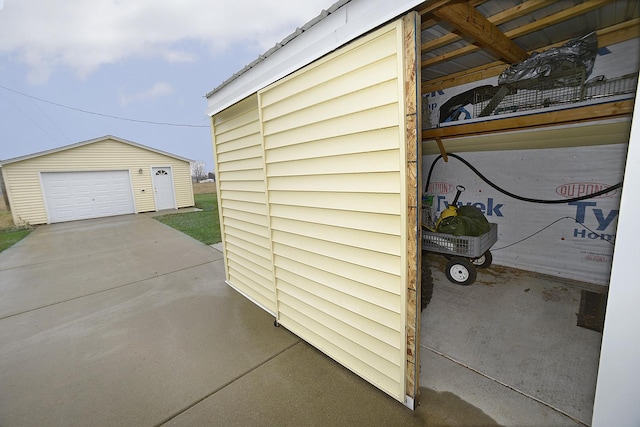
345	24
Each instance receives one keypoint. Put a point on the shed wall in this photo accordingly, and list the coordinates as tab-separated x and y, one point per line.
333	139
244	223
313	173
24	186
573	240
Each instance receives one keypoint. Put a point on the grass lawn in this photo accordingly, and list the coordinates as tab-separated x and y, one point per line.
10	234
203	226
9	238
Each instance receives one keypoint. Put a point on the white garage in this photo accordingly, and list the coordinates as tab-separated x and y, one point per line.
80	195
101	177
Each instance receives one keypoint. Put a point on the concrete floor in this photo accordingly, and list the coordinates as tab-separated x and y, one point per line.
125	321
515	332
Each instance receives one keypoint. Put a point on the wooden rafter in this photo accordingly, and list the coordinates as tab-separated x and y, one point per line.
430	6
607	36
497	19
468	21
564	15
430	21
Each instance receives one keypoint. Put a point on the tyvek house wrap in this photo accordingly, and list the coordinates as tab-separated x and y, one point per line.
578	243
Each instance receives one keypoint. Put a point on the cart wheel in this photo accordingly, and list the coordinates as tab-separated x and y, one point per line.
483	261
460	271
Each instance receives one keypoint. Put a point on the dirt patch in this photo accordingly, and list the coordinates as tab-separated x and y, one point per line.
6	220
204	187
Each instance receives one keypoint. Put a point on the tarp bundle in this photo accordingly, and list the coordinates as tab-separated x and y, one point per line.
553	64
470	221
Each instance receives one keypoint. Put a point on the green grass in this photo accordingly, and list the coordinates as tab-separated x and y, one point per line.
9	233
10	237
203	226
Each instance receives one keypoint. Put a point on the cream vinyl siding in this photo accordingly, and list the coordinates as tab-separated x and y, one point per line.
335	169
244	222
312	186
23	181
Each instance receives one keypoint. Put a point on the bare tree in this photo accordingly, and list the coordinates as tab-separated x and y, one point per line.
198	170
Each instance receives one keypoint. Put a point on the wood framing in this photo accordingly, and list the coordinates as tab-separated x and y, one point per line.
497	19
573	115
615	34
413	114
524	30
472	23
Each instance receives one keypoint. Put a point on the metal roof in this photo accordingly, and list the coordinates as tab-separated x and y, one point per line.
449	49
343	22
544	24
281	44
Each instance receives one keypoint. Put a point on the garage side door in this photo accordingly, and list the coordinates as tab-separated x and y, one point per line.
72	196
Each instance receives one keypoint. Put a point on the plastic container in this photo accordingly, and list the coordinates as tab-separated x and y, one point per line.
463	246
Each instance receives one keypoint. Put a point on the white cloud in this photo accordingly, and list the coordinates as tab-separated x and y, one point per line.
157	90
83	35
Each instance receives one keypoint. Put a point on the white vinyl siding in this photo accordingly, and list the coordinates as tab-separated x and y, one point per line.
22	178
244	222
335	171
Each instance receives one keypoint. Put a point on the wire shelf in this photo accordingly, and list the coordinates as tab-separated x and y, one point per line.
564	88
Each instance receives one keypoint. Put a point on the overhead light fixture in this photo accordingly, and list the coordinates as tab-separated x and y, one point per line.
140	171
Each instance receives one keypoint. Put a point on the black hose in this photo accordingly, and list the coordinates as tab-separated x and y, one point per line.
515	196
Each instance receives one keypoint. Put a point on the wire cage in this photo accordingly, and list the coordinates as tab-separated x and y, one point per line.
563	88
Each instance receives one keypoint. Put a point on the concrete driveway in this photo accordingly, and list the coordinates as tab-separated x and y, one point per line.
125	321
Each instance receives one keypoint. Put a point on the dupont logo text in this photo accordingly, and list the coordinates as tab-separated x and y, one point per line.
440	187
578	189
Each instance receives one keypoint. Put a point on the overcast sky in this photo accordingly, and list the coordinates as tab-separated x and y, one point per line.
147	60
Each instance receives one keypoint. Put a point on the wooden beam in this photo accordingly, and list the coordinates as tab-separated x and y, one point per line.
607	36
497	19
580	9
466	19
427	22
571	115
413	156
443	152
430	6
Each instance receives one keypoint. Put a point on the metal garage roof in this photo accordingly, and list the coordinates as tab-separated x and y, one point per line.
90	141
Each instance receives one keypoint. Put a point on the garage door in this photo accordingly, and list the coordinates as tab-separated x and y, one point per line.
71	196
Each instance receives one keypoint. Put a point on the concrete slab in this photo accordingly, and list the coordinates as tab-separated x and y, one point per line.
94	236
48	277
518	328
134	355
303	387
451	381
125	321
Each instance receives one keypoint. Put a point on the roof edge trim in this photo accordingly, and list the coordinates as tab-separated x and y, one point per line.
90	141
343	22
